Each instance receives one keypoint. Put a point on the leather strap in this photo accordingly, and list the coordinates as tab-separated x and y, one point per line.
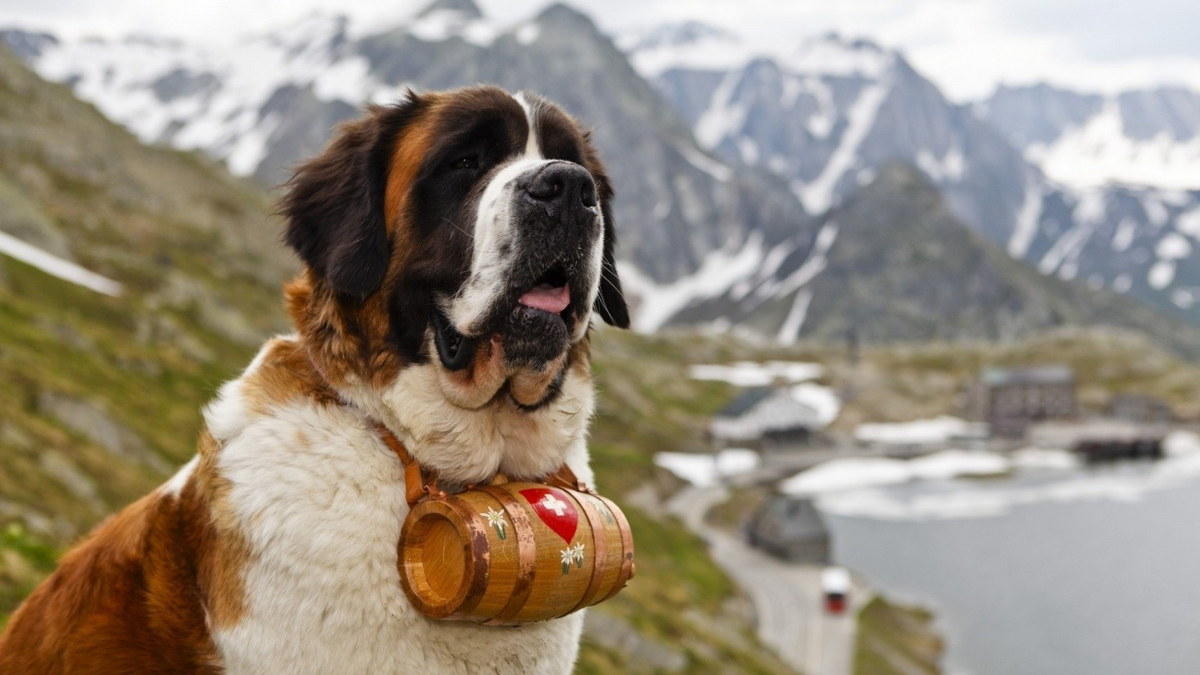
416	487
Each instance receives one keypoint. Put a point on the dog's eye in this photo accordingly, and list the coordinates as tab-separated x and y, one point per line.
469	163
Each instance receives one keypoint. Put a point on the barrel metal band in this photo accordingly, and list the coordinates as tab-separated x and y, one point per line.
526	554
627	569
599	551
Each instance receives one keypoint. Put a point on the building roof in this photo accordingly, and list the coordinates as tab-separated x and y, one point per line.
793	519
745	402
993	377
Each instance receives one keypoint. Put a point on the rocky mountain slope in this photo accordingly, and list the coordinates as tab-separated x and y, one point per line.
723	159
270	100
827	117
892	263
100	395
1140	137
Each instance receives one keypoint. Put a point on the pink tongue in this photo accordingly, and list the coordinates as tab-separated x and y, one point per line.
553	300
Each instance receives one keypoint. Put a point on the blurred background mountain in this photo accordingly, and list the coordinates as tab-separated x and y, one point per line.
832	194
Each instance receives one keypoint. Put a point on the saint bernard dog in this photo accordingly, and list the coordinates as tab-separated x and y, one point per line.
457	246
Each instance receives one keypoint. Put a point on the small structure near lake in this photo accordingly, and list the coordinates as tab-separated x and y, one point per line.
1102	440
790	528
1140	409
1011	399
765	419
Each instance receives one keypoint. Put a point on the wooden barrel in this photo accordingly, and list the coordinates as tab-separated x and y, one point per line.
513	553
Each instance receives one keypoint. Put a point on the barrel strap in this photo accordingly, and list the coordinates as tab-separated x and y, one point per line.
420	483
416	485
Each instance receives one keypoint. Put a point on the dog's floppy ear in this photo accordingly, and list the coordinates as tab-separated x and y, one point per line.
334	204
610	302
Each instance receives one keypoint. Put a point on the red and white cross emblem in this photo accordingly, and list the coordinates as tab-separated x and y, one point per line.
552	507
552	503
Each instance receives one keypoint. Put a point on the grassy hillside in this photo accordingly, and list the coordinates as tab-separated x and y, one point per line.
99	396
896	640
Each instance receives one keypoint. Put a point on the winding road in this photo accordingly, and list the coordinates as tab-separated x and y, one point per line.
787	598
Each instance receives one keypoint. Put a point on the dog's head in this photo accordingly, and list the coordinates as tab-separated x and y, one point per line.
469	230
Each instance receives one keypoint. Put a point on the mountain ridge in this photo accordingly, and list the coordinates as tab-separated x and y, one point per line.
715	169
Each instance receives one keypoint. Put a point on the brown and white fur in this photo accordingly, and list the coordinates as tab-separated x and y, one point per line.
438	236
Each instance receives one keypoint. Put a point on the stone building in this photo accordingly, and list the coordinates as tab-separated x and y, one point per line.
1011	399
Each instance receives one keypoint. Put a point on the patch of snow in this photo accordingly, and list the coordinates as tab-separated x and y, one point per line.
789	332
813	265
1098	153
754	374
528	33
251	147
447	23
1161	274
705	163
1155	210
57	267
817	196
1039	459
1188	223
918	432
722	117
821	122
834	55
1092	206
227	117
1183	298
1071	243
846	474
707	470
1175	197
1028	217
1173	247
997	499
860	475
821	399
949	464
747	150
687	46
948	169
1181	444
720	271
1123	237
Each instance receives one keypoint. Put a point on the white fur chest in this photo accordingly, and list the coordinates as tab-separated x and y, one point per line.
321	502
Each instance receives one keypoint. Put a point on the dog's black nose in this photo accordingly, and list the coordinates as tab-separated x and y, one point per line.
563	187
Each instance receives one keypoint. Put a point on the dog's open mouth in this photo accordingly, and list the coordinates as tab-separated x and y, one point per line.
533	329
550	293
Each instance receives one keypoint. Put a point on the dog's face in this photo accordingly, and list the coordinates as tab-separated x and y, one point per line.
479	223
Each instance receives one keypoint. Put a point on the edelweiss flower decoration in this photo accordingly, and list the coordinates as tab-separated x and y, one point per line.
496	520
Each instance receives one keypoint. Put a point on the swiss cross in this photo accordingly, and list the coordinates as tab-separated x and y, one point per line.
553	509
554	504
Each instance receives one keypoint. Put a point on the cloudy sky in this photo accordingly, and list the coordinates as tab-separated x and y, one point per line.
966	46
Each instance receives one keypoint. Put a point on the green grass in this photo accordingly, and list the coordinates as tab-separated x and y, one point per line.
896	640
24	560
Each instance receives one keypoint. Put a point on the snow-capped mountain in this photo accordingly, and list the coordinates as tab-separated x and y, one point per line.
1144	138
828	116
267	101
723	158
893	263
